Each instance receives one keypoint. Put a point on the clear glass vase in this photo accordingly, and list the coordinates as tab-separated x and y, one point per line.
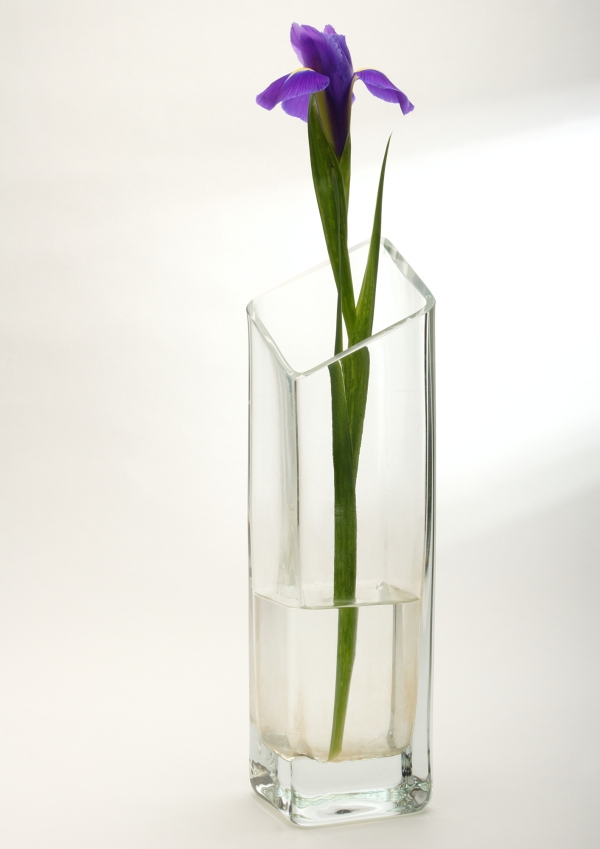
381	764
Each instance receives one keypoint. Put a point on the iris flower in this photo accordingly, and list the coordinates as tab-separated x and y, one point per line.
327	72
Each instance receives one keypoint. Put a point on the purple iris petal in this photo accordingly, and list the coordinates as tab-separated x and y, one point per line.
297	107
296	41
299	84
326	52
379	85
341	40
310	46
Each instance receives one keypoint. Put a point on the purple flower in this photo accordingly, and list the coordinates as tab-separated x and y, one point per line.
327	72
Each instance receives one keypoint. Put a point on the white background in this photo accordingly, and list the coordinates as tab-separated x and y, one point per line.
145	200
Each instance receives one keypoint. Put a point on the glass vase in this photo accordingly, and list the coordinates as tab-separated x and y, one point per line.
341	687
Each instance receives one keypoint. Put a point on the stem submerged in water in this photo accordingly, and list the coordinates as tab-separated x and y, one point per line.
346	649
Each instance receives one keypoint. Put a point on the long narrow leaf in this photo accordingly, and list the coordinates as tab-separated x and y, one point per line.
331	194
366	302
344	566
345	169
357	365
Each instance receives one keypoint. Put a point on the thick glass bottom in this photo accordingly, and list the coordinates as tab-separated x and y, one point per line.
310	793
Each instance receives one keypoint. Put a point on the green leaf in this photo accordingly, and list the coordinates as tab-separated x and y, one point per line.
356	381
330	188
344	564
356	366
339	338
345	169
366	301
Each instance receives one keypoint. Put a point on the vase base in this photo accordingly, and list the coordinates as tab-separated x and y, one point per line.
309	793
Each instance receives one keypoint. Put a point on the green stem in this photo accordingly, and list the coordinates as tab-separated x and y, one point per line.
349	388
344	569
346	648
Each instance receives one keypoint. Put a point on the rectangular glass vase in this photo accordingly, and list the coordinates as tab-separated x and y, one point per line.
383	765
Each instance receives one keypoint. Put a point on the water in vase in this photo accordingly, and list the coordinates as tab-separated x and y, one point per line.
294	669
